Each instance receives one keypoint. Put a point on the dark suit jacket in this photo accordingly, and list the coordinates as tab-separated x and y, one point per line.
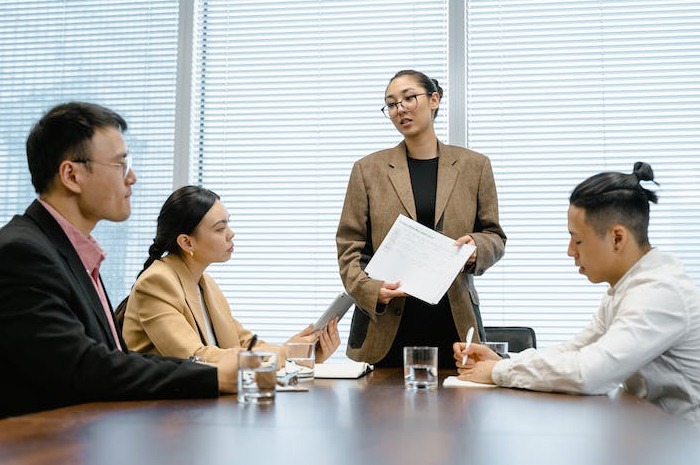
379	190
55	343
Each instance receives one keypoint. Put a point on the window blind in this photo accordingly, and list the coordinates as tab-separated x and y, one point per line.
558	91
121	54
287	97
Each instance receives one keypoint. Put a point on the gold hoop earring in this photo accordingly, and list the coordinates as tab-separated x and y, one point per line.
191	252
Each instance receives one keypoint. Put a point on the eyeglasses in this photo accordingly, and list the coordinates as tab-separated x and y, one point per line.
409	103
124	165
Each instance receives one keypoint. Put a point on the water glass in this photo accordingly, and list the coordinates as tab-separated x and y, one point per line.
257	377
300	359
499	347
420	367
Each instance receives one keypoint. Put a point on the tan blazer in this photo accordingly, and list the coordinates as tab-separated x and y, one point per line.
378	191
164	315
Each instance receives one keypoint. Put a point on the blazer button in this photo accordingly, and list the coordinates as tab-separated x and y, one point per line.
398	311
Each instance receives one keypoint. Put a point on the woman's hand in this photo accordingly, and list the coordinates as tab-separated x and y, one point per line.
467	239
389	291
305	335
328	341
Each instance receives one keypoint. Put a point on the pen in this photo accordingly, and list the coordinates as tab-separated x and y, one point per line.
252	342
470	335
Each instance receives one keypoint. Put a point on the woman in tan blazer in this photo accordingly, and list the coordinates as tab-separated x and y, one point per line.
446	188
175	308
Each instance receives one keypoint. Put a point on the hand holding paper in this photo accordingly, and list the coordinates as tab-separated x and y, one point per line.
390	291
468	240
425	261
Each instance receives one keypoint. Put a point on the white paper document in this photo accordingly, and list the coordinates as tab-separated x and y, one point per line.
425	261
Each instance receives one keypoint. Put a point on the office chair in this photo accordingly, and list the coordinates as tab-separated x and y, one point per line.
518	338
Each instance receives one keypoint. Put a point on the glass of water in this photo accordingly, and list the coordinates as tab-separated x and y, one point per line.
501	348
257	377
420	367
300	359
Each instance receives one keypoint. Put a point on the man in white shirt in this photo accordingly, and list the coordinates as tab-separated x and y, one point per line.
646	334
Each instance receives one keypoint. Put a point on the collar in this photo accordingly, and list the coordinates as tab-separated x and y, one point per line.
90	253
638	265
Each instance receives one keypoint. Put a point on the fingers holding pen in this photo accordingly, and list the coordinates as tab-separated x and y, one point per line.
467	355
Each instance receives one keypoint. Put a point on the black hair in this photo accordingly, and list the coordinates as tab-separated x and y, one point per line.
182	211
610	197
429	85
62	134
180	214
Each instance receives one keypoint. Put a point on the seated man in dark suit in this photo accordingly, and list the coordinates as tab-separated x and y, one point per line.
58	339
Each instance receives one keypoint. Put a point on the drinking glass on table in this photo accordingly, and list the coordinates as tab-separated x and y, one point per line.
257	377
300	359
500	347
420	367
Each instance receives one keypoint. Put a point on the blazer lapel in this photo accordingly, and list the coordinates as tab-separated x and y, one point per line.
53	231
192	299
447	177
117	326
400	178
219	313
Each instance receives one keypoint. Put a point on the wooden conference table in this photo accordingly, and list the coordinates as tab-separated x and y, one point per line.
371	420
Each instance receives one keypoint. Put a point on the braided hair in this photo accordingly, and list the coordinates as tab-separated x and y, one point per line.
180	214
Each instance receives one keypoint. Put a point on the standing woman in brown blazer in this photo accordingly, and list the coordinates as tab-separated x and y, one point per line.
446	188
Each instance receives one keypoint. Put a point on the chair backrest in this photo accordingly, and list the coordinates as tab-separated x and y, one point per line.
518	338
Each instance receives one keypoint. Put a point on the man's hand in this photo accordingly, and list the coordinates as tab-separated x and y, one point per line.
227	371
479	362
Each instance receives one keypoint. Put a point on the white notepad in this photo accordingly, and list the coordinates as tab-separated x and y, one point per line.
342	370
453	381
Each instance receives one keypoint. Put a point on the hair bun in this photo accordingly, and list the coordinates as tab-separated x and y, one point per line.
438	89
643	171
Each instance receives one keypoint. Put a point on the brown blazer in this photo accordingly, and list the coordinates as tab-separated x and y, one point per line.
378	191
164	314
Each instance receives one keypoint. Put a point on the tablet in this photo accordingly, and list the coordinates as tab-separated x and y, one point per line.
338	307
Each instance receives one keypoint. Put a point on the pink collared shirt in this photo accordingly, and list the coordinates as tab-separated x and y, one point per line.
91	255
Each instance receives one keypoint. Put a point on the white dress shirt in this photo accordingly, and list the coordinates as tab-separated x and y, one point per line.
646	335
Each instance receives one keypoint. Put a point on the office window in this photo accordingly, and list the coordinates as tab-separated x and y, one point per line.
555	91
121	54
287	97
558	91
